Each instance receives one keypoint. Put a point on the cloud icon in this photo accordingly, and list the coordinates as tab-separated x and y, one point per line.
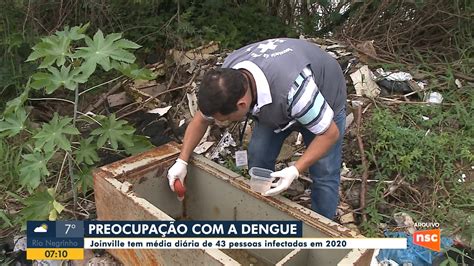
41	229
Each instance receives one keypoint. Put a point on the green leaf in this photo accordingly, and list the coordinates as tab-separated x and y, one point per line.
58	206
84	180
13	123
460	252
33	168
75	33
132	71
87	68
51	192
100	50
14	105
448	262
53	215
115	131
37	206
6	220
140	144
13	195
56	78
52	49
42	80
53	134
126	44
87	152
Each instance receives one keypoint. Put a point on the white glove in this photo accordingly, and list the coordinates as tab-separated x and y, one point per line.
177	171
287	175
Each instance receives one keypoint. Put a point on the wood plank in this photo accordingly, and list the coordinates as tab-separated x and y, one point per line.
122	98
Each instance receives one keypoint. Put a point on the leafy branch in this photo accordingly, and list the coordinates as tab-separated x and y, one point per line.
67	60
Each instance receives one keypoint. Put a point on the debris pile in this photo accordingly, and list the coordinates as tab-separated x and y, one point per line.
162	108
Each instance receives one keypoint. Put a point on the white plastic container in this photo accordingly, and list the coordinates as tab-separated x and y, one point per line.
260	179
435	97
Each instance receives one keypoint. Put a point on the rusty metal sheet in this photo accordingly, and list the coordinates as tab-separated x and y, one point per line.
143	162
113	203
116	200
310	217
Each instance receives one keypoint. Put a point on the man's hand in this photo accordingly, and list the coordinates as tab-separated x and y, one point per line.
177	171
286	176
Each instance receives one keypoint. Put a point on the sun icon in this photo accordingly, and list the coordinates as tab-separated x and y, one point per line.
44	226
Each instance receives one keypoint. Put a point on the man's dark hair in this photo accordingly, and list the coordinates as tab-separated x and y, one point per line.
220	90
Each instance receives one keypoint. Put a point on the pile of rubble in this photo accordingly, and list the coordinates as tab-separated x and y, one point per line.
162	108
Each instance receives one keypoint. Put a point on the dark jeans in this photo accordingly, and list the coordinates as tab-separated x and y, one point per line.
265	145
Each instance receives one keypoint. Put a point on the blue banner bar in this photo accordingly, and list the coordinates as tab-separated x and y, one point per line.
193	229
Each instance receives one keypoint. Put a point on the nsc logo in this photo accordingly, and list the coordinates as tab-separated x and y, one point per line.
430	239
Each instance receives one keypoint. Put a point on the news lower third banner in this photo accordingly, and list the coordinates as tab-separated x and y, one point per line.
68	239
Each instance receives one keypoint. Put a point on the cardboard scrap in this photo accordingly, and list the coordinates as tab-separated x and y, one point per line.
347	216
367	51
203	147
192	102
160	111
201	53
364	84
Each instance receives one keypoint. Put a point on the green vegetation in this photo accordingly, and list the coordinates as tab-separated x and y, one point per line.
67	60
430	148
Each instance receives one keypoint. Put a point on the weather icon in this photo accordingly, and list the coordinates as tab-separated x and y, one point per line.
41	229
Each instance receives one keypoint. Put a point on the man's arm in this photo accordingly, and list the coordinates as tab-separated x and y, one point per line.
194	133
192	136
320	145
310	109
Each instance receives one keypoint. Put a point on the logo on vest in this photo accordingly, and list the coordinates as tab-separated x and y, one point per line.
268	49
